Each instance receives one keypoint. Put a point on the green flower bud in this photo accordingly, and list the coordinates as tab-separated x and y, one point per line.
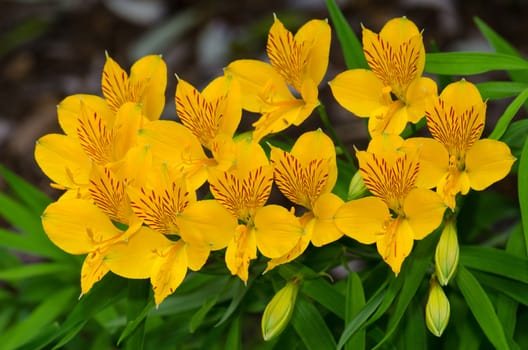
357	188
447	253
437	309
279	310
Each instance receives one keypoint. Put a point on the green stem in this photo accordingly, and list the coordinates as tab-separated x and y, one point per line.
326	122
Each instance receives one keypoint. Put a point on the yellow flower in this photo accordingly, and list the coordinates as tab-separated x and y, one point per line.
399	212
244	191
215	111
456	160
166	205
79	227
393	92
145	85
306	176
298	61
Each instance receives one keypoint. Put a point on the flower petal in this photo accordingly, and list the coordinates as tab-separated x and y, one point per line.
362	219
314	36
424	211
419	94
324	228
168	271
487	162
240	251
148	80
358	91
396	243
69	110
92	271
434	160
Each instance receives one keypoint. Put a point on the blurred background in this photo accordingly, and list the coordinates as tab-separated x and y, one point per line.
53	48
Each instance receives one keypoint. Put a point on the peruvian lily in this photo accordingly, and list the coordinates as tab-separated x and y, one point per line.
393	92
399	212
244	191
306	176
192	228
298	62
456	159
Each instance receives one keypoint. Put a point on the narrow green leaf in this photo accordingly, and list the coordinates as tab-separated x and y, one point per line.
500	45
523	190
350	44
414	335
30	195
234	337
355	301
361	318
469	63
37	269
507	116
199	316
137	301
239	291
481	307
20	217
515	136
45	313
24	243
494	90
515	290
496	261
311	327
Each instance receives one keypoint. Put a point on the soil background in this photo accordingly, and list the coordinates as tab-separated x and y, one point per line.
53	48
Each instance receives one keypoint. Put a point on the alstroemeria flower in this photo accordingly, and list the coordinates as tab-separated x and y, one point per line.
244	191
456	159
306	176
393	92
399	212
79	227
145	85
214	111
167	206
297	61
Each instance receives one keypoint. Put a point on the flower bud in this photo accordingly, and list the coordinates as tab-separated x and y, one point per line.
357	188
447	252
437	309
279	310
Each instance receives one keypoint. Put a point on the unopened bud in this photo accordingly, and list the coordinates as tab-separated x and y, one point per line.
447	252
357	188
279	310
437	310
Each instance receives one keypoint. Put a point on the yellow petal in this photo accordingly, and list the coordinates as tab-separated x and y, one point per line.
487	162
232	105
325	230
240	251
390	119
168	271
207	223
278	119
115	84
259	83
69	110
92	271
128	120
197	256
434	160
463	95
399	30
135	257
77	226
276	230
62	159
314	36
396	243
424	211
148	79
358	91
419	95
291	255
362	219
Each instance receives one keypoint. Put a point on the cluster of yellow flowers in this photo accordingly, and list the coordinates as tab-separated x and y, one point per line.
131	179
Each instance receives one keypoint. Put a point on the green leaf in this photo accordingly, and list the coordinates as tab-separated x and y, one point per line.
414	335
507	116
239	291
523	190
494	90
515	136
199	316
500	45
138	304
311	327
350	44
469	63
37	269
45	313
25	243
361	318
496	261
234	337
30	195
516	290
481	307
355	301
20	217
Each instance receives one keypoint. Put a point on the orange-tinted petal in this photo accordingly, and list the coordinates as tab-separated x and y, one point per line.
362	219
487	162
358	91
